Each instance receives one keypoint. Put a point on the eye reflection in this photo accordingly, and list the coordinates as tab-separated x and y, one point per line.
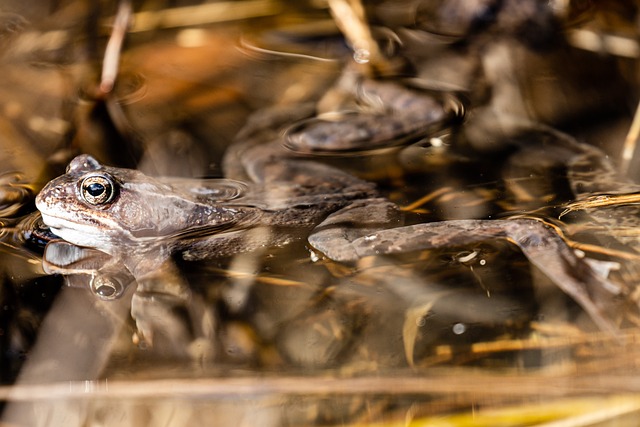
106	287
97	189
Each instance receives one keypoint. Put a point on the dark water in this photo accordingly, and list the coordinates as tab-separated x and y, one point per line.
285	336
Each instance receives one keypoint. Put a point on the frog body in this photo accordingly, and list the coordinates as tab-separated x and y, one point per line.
125	213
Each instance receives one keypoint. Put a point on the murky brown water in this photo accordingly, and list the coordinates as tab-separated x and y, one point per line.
477	331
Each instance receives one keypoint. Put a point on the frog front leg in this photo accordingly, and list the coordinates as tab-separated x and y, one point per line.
541	244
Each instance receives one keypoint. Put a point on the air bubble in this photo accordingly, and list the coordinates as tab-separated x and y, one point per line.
436	142
459	328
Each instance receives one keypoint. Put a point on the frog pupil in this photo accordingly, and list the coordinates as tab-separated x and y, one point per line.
95	189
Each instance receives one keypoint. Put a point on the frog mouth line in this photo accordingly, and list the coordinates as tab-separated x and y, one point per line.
62	227
56	222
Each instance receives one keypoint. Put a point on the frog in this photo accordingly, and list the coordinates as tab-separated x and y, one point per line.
124	212
116	236
271	182
271	196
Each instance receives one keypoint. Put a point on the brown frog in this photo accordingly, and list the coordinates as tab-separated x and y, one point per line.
140	220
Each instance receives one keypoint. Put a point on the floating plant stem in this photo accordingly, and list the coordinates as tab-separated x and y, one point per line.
114	46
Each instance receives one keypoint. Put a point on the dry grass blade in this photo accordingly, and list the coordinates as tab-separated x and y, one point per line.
206	13
630	143
601	200
565	413
111	61
412	322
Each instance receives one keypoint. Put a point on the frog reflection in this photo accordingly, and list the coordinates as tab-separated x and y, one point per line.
169	317
363	114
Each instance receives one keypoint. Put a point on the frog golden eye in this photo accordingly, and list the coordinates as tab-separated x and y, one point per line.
97	189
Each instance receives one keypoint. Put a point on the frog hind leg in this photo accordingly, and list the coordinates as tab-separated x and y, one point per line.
542	246
545	249
335	235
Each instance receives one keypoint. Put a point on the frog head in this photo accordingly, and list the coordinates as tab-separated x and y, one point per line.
110	208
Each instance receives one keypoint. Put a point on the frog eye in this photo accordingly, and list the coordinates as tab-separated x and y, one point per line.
97	189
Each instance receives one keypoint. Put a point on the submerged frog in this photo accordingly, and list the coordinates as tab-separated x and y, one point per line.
379	114
140	221
271	191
